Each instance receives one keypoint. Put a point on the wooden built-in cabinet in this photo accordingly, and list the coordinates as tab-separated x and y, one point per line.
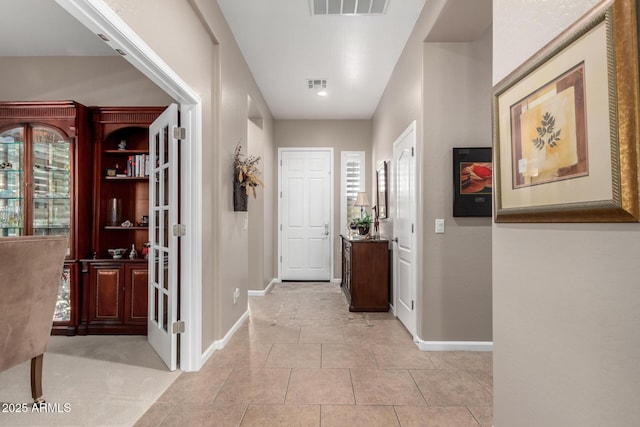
113	126
116	297
115	290
365	274
56	162
45	186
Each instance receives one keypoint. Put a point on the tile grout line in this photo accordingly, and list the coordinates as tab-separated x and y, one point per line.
395	411
472	414
353	388
244	414
426	401
222	386
286	392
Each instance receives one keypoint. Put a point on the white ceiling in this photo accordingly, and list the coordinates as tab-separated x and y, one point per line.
42	28
283	44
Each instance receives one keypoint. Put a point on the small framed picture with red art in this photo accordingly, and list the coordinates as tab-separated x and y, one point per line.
472	181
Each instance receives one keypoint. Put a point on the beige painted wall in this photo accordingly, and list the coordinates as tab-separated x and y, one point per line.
566	296
342	135
202	51
457	264
269	271
91	80
256	214
445	88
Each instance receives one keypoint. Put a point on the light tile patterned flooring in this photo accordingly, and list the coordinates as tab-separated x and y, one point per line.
302	359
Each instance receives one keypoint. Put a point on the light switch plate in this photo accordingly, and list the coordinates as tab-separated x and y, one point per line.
439	225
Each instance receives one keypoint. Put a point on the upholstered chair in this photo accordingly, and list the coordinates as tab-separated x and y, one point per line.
30	269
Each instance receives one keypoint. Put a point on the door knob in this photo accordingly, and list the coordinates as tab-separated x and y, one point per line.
326	229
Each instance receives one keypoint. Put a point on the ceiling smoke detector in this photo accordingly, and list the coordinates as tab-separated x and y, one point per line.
348	7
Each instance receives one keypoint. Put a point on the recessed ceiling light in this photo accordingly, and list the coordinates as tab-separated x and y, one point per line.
318	85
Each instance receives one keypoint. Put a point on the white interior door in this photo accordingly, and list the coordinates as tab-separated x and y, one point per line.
163	253
305	214
404	166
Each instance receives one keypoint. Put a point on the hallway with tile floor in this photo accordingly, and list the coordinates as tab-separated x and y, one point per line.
302	359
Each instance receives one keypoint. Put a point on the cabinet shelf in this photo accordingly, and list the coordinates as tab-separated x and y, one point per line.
12	170
127	178
126	152
38	168
120	228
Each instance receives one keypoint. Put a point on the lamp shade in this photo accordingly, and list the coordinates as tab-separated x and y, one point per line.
362	199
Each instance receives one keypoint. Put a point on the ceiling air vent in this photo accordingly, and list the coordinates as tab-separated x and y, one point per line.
348	7
317	83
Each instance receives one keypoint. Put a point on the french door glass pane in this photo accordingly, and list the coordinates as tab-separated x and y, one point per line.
12	182
51	183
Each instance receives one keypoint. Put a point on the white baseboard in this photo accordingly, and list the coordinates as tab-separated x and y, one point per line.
220	344
338	280
454	345
265	291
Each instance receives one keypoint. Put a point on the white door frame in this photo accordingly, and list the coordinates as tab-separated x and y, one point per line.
414	257
279	195
98	17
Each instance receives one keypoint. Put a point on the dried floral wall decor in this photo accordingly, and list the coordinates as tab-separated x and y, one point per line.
245	179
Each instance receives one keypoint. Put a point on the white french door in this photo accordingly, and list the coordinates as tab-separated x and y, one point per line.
305	214
404	265
163	252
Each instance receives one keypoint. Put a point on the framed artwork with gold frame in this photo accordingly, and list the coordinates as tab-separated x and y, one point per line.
566	125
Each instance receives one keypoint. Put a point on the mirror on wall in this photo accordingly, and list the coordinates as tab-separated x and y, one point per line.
381	178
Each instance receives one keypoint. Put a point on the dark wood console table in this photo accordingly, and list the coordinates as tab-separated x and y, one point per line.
365	274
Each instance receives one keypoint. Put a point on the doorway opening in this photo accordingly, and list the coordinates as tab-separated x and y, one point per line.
101	19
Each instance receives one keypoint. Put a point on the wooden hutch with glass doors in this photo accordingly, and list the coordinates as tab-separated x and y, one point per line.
61	166
45	186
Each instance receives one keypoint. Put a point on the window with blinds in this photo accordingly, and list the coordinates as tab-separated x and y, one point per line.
353	178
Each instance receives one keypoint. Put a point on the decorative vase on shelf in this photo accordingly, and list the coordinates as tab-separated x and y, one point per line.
133	254
114	212
239	197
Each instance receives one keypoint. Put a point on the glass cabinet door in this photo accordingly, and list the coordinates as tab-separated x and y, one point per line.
12	182
62	312
51	183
